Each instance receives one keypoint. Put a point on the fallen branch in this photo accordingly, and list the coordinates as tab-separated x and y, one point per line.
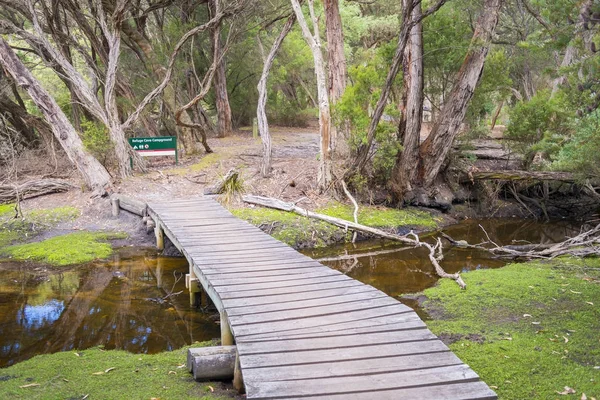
281	205
585	244
29	189
218	187
355	207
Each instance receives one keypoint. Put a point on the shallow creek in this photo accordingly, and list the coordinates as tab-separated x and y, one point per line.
132	301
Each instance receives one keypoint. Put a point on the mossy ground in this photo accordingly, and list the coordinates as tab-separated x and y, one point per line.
32	223
292	229
302	232
73	248
382	217
77	375
527	329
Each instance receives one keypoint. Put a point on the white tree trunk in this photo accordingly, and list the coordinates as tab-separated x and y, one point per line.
261	115
325	174
94	174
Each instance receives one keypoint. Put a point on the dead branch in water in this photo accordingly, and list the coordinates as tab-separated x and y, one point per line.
414	241
11	193
585	244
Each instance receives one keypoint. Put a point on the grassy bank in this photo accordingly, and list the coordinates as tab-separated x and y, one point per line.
73	248
302	232
99	374
527	329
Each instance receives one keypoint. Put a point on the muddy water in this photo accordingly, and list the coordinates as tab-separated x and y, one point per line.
119	304
398	270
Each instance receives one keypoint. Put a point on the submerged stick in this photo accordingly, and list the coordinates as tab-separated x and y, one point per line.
281	205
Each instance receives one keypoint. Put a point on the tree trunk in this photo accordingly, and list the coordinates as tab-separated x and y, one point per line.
325	174
338	71
261	115
436	147
94	174
409	129
224	126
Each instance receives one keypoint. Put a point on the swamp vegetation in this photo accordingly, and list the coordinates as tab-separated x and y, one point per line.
471	108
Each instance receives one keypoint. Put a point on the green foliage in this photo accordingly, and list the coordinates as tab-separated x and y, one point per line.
360	98
381	217
96	140
541	124
527	329
77	375
73	248
32	223
233	188
582	153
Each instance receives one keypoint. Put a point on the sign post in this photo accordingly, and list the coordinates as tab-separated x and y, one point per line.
155	146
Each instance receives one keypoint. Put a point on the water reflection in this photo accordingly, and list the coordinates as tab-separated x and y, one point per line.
397	270
119	304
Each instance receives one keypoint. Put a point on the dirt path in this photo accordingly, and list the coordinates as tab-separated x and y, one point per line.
295	161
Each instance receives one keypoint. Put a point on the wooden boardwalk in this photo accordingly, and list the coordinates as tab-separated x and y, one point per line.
304	330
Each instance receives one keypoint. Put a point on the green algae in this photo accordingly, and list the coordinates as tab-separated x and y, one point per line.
73	248
527	329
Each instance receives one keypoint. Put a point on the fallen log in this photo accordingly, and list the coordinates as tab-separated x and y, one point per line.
414	241
29	189
212	363
516	175
130	204
585	244
219	187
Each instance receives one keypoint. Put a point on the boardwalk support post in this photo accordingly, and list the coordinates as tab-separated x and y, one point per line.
192	284
160	237
226	335
238	379
116	208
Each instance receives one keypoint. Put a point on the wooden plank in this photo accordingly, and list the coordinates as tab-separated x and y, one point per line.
254	260
352	367
364	383
228	239
300	283
318	273
454	391
335	355
240	247
385	322
287	290
289	298
217	275
335	342
310	312
294	305
263	265
319	322
260	269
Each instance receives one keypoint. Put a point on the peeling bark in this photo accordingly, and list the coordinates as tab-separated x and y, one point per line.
94	174
436	147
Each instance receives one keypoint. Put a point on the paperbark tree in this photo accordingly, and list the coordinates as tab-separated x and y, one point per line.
224	126
436	147
94	174
261	114
409	129
337	70
325	174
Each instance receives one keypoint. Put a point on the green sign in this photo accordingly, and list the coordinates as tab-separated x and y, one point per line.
155	146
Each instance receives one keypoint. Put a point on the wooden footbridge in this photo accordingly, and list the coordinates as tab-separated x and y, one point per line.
304	330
